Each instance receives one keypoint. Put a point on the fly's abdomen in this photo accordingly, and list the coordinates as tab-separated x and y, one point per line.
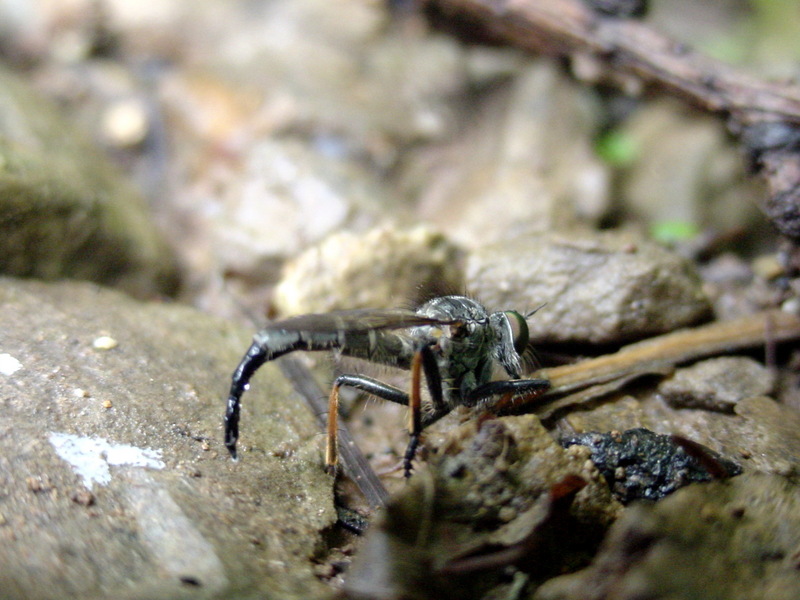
277	342
383	347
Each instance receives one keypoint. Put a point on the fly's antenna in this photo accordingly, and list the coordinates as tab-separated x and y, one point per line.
528	315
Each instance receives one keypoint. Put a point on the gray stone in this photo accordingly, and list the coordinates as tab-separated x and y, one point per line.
114	481
485	489
289	195
520	163
358	76
774	434
717	384
686	171
313	111
64	210
384	267
594	287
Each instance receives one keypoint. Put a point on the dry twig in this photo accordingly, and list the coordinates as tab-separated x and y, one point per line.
593	378
766	115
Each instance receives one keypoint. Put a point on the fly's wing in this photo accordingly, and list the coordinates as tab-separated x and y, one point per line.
359	320
369	334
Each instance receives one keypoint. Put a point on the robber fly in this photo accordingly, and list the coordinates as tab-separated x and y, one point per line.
453	340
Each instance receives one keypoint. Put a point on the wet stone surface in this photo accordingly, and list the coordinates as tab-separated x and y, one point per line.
641	465
762	434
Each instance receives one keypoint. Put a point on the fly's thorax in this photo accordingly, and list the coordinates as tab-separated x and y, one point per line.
453	308
464	355
461	338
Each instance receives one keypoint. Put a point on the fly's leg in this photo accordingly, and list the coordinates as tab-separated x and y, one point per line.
255	357
408	457
423	360
365	384
331	454
414	413
269	344
509	391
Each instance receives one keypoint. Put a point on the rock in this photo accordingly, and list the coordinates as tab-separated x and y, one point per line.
686	171
64	210
484	492
641	465
360	77
732	287
311	118
735	539
113	476
762	434
382	268
774	435
717	384
289	195
520	163
593	287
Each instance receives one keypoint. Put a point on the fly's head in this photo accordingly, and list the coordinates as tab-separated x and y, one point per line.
511	338
472	338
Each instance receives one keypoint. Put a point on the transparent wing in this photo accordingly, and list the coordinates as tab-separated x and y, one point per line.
355	321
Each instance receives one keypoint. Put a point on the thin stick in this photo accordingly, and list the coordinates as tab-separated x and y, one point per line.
626	46
661	354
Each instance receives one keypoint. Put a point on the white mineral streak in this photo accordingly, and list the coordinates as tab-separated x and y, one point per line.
91	457
9	365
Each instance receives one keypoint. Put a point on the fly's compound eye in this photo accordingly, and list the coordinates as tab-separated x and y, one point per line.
519	330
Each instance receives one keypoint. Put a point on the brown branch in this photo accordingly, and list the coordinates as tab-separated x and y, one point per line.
628	50
589	379
627	46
